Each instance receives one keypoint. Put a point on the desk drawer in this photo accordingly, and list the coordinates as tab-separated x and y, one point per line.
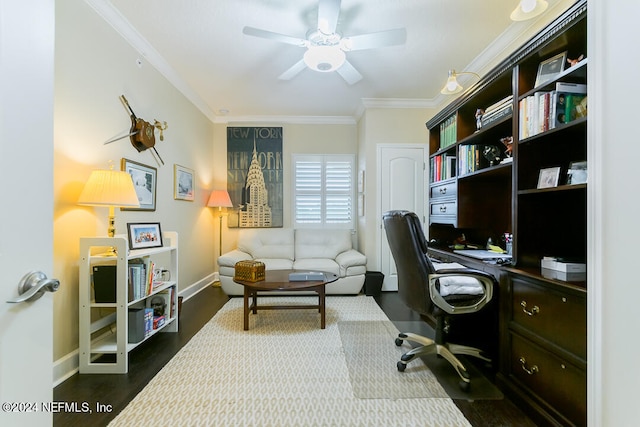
557	382
557	316
444	208
443	189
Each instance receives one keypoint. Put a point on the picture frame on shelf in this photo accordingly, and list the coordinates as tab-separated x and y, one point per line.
550	68
577	173
145	179
183	183
548	177
144	235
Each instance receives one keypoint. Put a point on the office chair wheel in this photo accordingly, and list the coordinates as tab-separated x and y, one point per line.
464	386
399	342
401	366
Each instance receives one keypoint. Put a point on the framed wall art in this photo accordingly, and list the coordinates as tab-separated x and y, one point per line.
144	181
183	183
144	235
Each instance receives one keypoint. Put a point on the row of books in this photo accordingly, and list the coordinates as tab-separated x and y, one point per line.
442	167
544	111
448	132
496	111
469	159
141	278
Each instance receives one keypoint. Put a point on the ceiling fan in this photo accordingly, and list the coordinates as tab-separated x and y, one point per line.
326	48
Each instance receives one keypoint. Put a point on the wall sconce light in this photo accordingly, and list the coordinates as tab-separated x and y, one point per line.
528	9
112	189
220	199
452	86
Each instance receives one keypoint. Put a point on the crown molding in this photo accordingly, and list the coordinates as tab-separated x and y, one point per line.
113	17
306	120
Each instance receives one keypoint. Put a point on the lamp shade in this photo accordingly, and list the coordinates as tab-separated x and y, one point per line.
324	58
219	199
452	86
109	188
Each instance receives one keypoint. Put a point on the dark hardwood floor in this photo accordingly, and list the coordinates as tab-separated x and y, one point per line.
114	392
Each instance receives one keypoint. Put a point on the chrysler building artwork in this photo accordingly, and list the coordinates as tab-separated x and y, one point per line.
254	176
255	211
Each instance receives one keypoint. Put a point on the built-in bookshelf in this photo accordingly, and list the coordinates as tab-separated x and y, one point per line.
522	171
124	299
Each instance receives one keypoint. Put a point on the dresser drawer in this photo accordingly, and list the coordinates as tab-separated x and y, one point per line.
443	189
557	316
561	385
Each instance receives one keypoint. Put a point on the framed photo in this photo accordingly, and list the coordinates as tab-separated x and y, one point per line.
144	181
549	177
550	68
183	183
144	235
577	173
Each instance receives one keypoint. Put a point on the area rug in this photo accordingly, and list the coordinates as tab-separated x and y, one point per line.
283	371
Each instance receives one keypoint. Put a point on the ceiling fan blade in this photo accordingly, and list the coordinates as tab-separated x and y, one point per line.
293	71
328	12
349	74
373	40
256	32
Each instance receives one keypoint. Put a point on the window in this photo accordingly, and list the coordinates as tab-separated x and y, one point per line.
323	190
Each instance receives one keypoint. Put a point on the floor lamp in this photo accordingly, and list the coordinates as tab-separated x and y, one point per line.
220	199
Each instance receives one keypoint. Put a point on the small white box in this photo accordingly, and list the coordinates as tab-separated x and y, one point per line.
566	267
563	275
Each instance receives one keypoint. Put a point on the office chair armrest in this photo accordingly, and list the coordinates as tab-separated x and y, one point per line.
486	280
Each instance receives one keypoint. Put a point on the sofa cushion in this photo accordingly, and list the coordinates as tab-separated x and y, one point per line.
267	243
276	263
311	243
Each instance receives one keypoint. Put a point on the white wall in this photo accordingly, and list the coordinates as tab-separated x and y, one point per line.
614	208
93	67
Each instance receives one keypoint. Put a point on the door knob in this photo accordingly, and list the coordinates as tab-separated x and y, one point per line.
33	285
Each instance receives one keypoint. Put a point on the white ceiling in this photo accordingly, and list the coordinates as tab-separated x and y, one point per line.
200	47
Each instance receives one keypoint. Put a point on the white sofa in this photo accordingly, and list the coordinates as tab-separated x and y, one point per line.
301	249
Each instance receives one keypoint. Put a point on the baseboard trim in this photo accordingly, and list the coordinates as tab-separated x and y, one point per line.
67	366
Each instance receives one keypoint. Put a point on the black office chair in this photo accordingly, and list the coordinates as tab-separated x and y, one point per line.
437	292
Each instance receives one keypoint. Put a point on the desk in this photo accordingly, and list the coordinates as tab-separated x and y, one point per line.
278	280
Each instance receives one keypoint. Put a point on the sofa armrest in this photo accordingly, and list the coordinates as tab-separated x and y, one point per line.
229	259
350	258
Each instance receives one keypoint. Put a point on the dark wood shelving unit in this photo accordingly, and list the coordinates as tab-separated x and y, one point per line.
493	199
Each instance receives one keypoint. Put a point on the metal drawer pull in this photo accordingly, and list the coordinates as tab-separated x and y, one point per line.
534	369
443	190
535	310
443	209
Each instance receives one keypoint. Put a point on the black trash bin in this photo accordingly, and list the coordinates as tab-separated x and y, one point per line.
373	283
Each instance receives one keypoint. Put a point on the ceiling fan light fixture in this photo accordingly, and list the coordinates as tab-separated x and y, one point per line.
528	9
324	58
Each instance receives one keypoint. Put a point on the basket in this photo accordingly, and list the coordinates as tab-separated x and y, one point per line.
249	271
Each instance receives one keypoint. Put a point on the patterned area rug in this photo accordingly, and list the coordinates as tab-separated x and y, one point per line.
283	371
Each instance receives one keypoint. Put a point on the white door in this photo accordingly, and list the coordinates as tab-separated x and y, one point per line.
26	208
402	186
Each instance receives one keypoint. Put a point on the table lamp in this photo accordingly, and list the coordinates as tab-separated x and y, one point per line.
109	188
220	199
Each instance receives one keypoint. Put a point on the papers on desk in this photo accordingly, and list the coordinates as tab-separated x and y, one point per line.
482	254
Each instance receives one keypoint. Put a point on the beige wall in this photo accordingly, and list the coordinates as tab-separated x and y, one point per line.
383	126
94	66
297	138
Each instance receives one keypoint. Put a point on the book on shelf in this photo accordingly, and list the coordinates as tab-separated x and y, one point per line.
448	132
499	105
160	303
443	167
469	159
141	277
495	115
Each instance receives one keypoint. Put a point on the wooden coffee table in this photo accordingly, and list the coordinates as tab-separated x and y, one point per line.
278	280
